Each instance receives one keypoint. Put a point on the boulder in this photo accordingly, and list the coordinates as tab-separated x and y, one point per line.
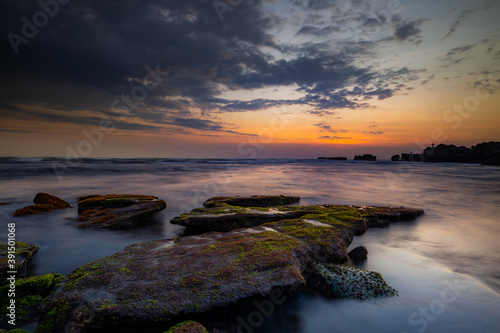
23	252
348	282
188	326
117	211
29	293
359	253
44	202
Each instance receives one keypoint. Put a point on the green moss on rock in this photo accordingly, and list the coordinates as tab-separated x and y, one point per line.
187	326
29	294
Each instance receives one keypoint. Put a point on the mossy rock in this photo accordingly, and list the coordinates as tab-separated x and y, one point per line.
24	253
187	326
29	294
114	211
253	201
44	202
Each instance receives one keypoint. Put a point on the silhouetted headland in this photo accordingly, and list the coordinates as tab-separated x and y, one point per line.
486	153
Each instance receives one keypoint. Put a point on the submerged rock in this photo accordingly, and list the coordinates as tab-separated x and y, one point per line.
29	293
23	253
117	211
187	327
359	253
253	201
44	202
348	282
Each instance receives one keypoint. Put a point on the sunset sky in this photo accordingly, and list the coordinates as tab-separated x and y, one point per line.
247	79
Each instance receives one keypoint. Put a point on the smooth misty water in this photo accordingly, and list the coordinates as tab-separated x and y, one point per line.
445	265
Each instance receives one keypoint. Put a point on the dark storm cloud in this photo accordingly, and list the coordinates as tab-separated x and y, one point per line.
104	47
409	31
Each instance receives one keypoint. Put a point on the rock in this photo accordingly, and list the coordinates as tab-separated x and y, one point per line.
333	158
156	282
359	253
395	158
382	216
253	201
29	294
160	282
225	217
117	211
188	326
365	157
24	253
230	217
348	282
44	202
47	199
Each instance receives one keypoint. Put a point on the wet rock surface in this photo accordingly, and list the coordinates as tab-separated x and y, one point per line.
23	253
117	211
44	202
348	282
160	282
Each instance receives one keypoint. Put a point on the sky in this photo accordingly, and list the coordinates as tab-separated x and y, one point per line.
246	78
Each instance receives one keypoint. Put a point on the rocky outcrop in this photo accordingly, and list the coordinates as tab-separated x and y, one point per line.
160	282
44	202
117	211
486	153
29	293
365	157
23	253
224	217
395	158
348	282
359	253
253	201
187	327
333	158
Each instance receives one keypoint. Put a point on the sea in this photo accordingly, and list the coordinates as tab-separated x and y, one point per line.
445	265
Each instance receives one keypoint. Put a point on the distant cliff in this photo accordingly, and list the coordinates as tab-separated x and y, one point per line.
487	153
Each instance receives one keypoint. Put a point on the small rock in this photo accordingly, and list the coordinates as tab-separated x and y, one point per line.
348	282
358	254
44	202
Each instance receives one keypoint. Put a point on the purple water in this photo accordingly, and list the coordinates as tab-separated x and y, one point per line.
445	265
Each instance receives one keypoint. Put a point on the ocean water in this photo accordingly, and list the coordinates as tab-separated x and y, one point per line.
445	264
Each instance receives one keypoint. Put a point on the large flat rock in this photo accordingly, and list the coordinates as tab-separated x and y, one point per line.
160	280
114	211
